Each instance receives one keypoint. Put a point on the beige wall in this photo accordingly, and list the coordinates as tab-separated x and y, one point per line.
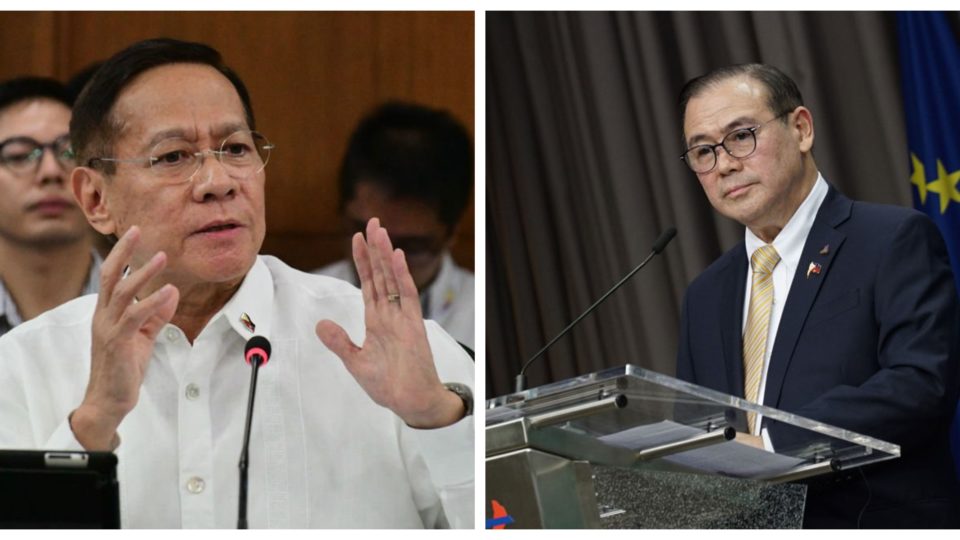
311	77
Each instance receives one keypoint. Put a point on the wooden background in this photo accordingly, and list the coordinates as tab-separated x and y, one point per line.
311	77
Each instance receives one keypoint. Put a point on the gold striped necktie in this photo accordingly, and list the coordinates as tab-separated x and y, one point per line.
758	323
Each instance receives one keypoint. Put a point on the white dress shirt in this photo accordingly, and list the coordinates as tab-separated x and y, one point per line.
789	245
449	300
322	453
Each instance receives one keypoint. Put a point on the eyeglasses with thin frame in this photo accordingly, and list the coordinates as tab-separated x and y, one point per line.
739	143
22	155
243	154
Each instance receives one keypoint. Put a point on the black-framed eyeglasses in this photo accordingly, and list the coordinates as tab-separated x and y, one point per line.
739	143
22	155
175	160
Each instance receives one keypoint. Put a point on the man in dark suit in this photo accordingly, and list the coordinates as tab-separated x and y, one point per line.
849	316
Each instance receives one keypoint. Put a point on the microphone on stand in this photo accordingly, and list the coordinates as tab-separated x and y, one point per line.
520	382
257	353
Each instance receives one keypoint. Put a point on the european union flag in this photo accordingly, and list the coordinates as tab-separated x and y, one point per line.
930	68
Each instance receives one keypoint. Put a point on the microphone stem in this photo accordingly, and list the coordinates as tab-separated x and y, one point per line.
255	361
574	323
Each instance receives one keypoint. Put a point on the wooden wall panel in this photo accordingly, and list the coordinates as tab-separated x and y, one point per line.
28	44
311	77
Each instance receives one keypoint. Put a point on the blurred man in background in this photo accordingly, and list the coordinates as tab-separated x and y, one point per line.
46	249
412	167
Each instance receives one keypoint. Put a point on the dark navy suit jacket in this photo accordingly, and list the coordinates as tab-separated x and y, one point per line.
870	344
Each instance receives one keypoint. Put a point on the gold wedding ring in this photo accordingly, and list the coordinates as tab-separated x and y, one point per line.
393	298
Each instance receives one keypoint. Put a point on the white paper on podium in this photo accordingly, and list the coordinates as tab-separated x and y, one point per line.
730	458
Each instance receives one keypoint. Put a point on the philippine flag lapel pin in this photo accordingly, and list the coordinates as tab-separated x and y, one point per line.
247	322
813	269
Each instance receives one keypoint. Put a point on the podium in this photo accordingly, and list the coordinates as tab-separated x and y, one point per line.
632	448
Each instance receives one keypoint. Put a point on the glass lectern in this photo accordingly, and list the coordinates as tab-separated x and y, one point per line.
628	447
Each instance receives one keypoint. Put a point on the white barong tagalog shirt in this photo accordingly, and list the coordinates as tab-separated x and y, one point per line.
322	453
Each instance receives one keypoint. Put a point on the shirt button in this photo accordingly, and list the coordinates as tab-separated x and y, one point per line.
193	391
195	485
172	334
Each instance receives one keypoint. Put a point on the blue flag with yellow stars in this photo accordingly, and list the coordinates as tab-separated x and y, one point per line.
930	69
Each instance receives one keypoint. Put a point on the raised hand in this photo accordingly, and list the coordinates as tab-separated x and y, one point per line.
394	365
122	341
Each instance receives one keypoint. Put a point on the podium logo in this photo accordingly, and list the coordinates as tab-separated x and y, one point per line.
500	518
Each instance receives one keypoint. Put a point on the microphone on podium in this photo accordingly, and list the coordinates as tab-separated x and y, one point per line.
520	382
256	353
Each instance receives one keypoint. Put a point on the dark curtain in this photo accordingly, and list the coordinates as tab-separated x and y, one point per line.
583	174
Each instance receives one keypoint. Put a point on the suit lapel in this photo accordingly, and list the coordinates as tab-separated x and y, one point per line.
806	284
731	319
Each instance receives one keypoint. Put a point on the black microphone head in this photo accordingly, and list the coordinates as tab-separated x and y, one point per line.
664	239
257	345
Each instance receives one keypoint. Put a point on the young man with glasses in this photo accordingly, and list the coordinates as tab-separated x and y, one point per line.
46	248
413	167
152	368
849	315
